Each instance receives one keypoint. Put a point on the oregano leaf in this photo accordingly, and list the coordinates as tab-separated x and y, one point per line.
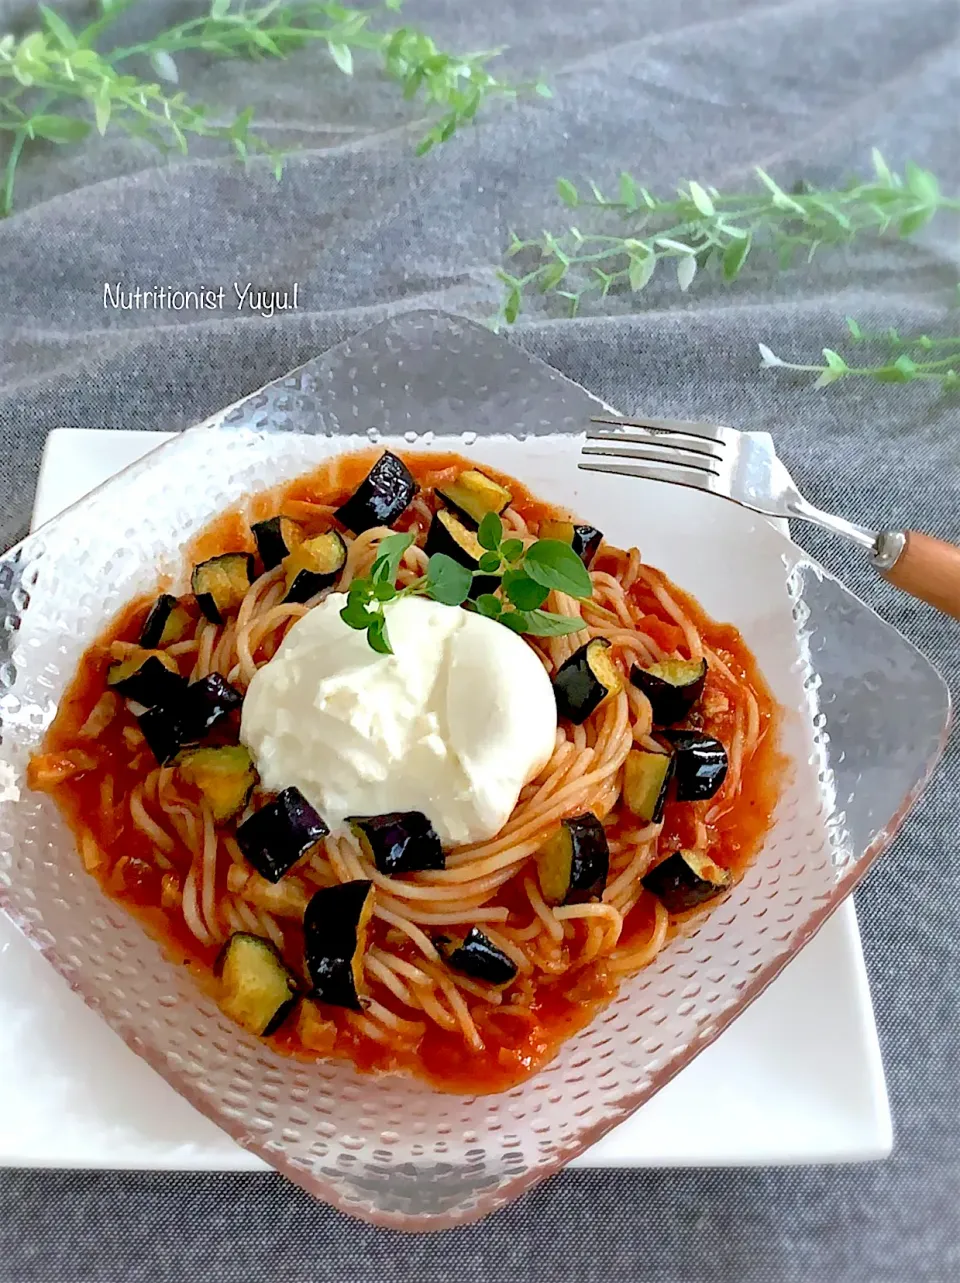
490	531
489	563
356	614
489	606
447	581
522	591
390	550
556	566
377	636
541	623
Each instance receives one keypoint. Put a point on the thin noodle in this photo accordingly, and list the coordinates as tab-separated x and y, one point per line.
492	885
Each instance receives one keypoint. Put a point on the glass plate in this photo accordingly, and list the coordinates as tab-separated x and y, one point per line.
866	720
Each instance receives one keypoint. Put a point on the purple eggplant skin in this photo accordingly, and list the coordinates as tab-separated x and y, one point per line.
274	838
381	497
673	688
477	956
335	929
700	765
399	842
685	880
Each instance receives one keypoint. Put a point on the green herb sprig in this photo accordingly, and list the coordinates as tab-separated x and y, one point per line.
917	358
55	70
527	577
636	232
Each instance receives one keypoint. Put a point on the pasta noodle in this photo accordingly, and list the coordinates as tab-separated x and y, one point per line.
164	853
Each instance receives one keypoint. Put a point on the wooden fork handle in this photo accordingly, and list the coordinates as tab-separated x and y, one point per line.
929	568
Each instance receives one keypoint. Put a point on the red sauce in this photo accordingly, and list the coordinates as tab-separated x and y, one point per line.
515	1046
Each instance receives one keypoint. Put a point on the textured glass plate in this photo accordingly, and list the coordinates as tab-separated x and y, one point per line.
866	719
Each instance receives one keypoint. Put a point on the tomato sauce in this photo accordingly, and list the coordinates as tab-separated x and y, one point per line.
516	1045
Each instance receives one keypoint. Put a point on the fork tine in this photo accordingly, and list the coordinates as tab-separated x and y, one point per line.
696	461
662	441
673	476
708	431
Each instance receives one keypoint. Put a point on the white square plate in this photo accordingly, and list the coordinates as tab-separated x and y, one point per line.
801	1069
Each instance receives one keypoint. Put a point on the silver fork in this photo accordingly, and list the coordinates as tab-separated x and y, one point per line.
743	467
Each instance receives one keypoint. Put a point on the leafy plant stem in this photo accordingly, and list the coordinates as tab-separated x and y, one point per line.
20	137
701	227
57	67
527	575
92	33
904	368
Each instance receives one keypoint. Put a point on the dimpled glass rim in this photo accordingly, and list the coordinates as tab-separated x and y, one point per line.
392	1151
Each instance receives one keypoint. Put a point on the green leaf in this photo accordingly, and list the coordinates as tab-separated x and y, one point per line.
390	552
640	271
377	637
551	276
881	169
524	592
780	198
384	592
911	223
922	183
628	191
555	565
489	606
567	192
447	581
734	257
263	41
686	271
511	307
854	326
57	27
836	368
768	358
490	532
541	623
165	67
101	113
511	549
219	8
59	129
489	563
356	615
678	247
515	620
342	56
702	201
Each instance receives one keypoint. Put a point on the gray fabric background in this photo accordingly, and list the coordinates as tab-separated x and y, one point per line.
691	88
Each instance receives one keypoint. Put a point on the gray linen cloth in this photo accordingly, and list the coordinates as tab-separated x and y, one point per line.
689	89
